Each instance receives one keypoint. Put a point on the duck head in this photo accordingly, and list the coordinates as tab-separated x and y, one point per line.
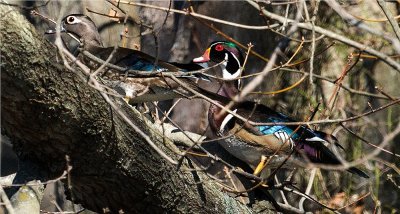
222	50
84	28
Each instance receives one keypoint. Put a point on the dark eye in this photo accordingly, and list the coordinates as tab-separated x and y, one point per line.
70	20
219	48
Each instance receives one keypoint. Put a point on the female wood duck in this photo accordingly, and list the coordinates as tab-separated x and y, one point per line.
251	143
85	29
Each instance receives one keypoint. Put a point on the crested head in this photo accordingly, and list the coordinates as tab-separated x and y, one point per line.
84	28
219	51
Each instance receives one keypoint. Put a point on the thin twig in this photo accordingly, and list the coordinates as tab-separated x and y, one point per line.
313	44
6	201
333	120
367	142
389	16
201	16
360	25
385	58
308	189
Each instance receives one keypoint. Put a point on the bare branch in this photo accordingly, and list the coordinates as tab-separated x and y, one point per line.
392	21
332	35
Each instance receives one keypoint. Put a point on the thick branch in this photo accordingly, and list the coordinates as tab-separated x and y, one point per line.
49	112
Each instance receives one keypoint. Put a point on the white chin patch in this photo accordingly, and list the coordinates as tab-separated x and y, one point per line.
203	64
228	76
225	74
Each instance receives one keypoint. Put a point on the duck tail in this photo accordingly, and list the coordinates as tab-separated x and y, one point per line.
358	172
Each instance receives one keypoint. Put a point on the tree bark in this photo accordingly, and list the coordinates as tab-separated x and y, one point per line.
49	112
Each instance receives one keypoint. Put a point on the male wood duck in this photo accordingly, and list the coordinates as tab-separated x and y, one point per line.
252	143
85	29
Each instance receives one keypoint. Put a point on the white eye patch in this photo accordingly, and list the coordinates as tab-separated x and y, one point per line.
72	20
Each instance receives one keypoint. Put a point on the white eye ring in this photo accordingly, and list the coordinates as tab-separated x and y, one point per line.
73	20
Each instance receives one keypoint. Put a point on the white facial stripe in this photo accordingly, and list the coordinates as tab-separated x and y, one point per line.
217	43
226	120
212	46
237	60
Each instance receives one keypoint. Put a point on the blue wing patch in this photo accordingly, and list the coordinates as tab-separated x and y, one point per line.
145	66
267	130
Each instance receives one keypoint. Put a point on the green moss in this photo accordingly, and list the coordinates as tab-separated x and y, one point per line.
389	119
377	172
357	149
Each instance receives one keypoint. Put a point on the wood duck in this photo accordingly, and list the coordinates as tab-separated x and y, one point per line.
85	29
251	143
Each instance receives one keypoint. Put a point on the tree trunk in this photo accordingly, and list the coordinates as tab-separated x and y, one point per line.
49	112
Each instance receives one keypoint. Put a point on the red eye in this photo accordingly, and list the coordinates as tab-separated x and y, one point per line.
219	48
